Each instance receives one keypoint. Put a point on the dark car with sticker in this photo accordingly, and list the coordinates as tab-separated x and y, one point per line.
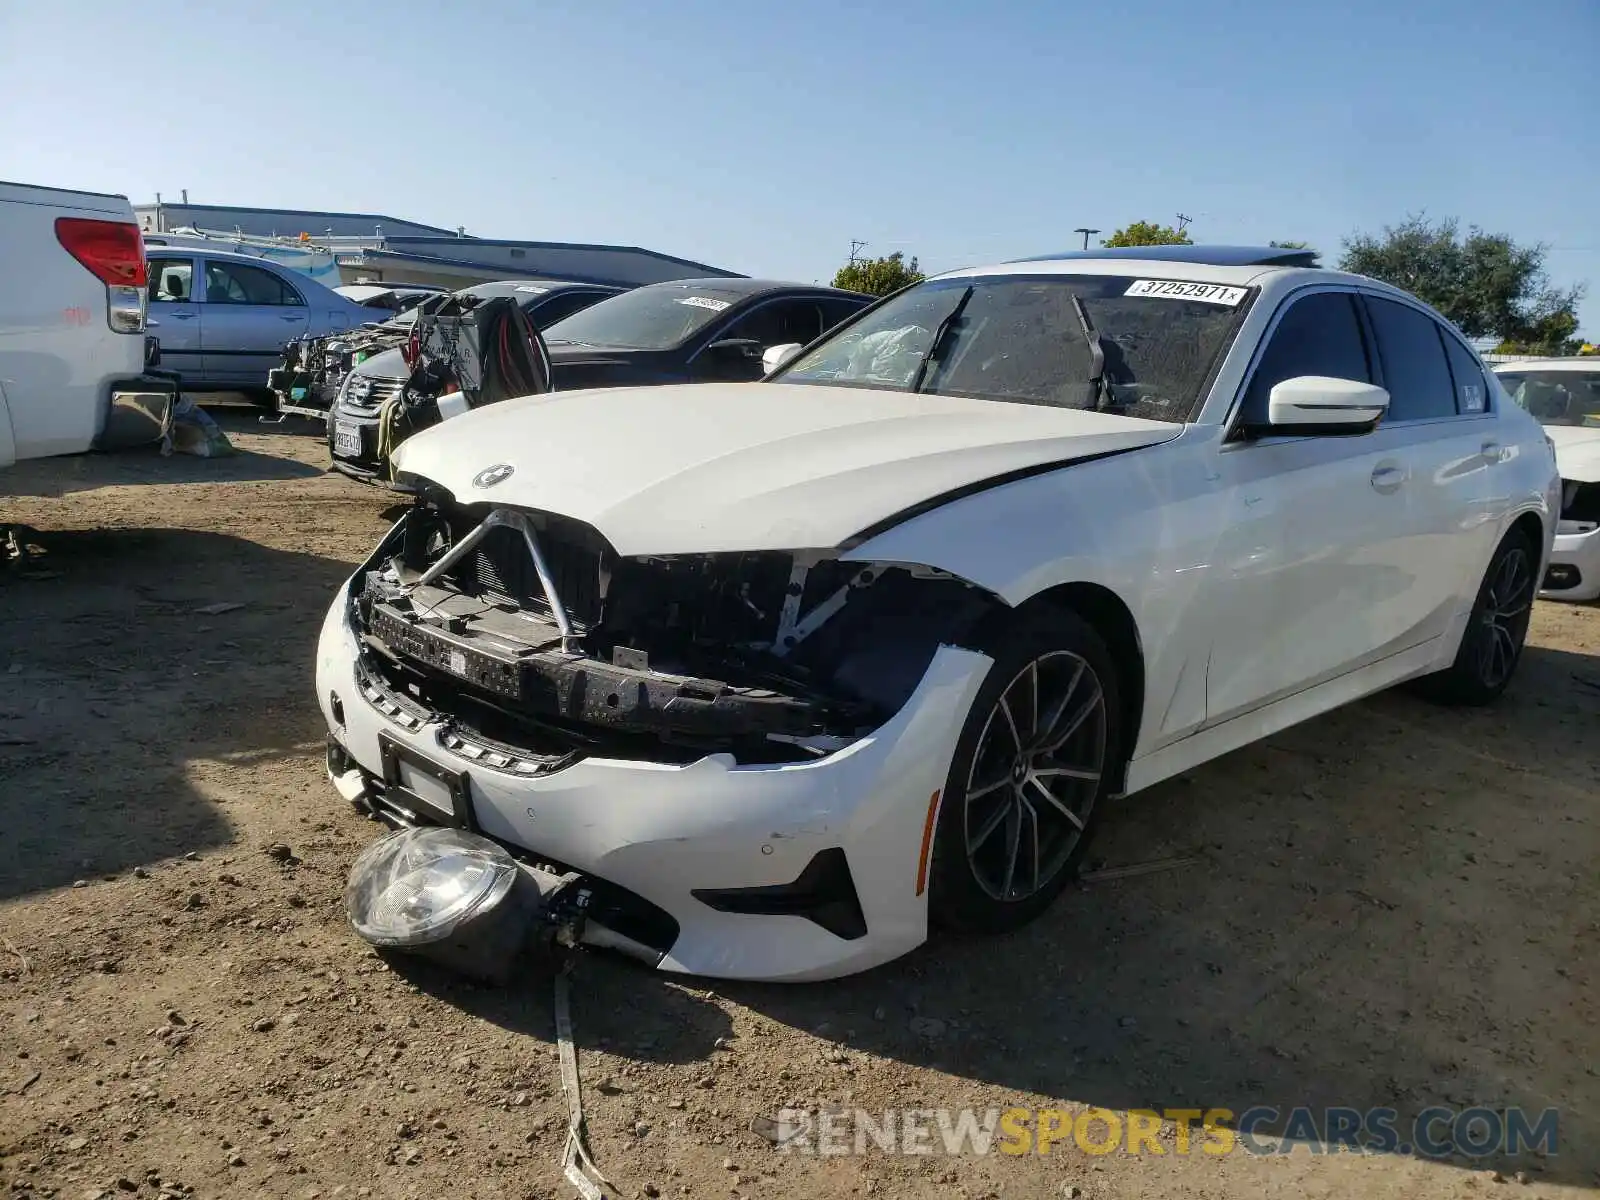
686	331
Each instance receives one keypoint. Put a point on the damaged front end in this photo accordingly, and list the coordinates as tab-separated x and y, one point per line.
534	644
314	367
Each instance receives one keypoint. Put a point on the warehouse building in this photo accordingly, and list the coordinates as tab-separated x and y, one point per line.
374	248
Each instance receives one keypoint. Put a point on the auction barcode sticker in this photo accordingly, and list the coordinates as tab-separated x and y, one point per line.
704	302
1171	289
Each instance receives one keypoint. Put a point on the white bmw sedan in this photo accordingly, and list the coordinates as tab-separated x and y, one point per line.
792	672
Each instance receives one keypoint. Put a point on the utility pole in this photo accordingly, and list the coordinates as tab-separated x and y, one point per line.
855	249
1086	233
1183	222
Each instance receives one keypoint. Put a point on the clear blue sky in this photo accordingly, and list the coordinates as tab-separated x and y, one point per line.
762	137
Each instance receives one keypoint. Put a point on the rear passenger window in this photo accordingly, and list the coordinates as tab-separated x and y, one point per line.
1472	390
1414	368
1319	335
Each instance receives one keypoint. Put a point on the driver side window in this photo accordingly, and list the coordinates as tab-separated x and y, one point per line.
779	323
1319	334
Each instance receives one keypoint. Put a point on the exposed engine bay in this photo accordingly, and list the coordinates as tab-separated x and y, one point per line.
537	644
314	367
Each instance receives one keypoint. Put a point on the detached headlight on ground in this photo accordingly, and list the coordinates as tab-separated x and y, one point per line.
443	894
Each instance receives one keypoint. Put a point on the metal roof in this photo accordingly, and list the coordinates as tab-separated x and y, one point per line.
1211	256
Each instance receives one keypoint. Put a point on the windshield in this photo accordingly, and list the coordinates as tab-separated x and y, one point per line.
1022	340
1557	397
649	318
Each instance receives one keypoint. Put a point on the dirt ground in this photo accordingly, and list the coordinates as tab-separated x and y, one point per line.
1392	906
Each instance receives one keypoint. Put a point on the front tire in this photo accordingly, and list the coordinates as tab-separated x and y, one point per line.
1496	632
1038	752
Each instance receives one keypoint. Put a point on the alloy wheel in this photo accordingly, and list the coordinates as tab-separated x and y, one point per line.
1035	774
1503	619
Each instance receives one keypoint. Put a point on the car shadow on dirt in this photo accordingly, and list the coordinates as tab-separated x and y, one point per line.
121	680
55	477
675	1026
1394	908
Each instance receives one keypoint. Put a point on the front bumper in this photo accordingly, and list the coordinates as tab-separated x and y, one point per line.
365	465
1574	570
683	839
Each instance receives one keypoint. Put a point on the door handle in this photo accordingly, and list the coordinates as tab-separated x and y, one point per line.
291	318
1387	477
182	316
1491	451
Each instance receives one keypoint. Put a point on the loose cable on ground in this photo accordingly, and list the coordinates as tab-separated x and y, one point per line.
575	1154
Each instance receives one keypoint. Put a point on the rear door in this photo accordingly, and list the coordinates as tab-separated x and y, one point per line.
174	318
248	315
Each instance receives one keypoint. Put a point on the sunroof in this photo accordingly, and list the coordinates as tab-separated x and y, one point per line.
1211	256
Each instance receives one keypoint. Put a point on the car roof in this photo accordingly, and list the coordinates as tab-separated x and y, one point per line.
161	250
500	287
1213	256
1280	279
753	287
1589	362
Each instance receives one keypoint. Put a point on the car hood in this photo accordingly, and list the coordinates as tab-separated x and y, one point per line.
709	468
385	364
1577	452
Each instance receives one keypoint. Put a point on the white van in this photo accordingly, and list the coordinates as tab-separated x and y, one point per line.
72	320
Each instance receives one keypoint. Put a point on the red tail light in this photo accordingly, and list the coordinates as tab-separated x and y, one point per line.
112	250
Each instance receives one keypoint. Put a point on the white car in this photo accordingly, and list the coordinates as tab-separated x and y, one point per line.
792	671
1564	395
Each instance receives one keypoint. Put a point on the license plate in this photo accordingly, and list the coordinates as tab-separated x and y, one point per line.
425	787
347	439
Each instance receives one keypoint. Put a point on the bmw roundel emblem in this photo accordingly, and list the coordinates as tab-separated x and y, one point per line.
490	476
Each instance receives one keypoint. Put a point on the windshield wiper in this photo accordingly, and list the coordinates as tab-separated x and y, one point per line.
1097	356
936	346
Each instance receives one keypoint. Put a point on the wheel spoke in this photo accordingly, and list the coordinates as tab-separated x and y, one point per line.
978	791
1508	646
1033	700
1512	612
1033	827
1011	724
1083	773
986	831
1075	722
1013	846
1056	802
1060	705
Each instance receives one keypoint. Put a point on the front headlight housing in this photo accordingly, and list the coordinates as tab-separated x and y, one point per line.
415	887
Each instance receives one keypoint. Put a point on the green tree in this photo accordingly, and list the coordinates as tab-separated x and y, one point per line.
1144	233
1484	282
878	276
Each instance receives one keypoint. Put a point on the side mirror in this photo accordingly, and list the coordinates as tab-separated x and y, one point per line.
1319	404
777	356
734	349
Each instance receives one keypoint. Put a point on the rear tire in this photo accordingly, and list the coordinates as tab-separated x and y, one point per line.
1496	631
1040	749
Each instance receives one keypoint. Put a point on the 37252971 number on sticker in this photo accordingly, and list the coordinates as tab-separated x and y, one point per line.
1174	289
